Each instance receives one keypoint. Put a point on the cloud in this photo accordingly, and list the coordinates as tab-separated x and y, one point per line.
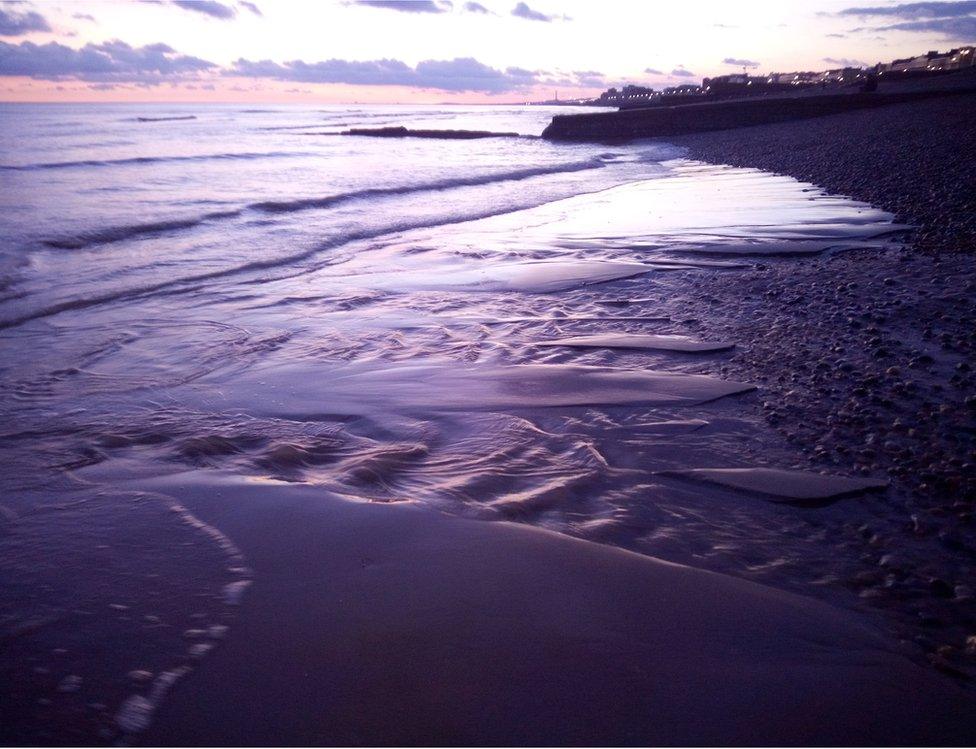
952	28
208	7
845	62
954	20
84	17
251	7
522	10
916	10
407	6
18	24
457	75
652	71
837	36
740	62
369	73
467	74
109	62
588	78
476	8
682	73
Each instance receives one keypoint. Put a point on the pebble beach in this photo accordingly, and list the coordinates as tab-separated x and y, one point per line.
915	160
866	358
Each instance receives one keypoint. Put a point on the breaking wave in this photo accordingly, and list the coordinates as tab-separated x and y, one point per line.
151	160
112	234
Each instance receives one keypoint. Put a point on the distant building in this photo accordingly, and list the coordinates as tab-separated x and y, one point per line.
842	75
932	61
796	78
963	57
685	89
737	83
743	84
629	94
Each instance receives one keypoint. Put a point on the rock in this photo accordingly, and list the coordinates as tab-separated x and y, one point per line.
890	561
70	684
200	649
135	714
963	593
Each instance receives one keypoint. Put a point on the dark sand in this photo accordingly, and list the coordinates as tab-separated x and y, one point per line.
389	625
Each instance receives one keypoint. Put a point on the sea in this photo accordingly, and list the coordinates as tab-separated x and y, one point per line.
489	328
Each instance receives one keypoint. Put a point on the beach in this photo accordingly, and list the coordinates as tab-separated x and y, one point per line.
878	351
910	159
655	443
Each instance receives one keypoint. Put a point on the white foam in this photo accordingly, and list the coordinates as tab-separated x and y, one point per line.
234	592
537	277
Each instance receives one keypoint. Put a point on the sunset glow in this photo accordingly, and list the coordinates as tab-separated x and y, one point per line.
371	52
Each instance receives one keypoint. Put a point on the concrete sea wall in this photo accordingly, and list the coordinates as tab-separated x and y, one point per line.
722	115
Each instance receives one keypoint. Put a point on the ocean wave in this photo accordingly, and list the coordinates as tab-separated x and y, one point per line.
403	132
172	118
301	204
177	285
112	234
243	156
121	233
300	127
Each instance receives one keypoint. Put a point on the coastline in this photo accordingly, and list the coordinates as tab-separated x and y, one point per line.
385	621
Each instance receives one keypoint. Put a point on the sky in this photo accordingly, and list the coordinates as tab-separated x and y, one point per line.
433	51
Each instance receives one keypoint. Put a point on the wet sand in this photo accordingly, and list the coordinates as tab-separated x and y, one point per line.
443	372
914	160
391	624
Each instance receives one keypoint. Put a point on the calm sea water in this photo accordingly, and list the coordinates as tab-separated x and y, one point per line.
241	291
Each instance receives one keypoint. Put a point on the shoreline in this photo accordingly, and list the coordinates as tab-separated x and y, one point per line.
865	358
913	160
375	624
